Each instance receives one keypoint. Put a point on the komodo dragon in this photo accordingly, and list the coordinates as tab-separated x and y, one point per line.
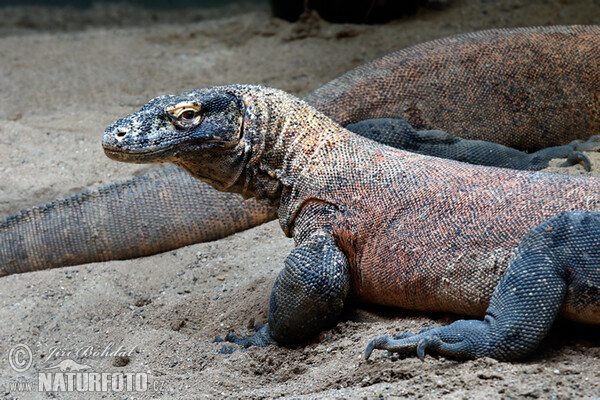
385	226
527	88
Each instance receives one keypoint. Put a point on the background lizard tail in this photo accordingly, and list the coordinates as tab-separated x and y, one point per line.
146	215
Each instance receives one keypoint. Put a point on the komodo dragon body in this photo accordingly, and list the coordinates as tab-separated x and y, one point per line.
527	88
385	226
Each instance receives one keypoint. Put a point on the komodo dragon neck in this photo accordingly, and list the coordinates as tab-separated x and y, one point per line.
281	134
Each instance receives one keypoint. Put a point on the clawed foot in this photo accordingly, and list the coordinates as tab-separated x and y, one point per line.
462	339
577	157
261	338
403	343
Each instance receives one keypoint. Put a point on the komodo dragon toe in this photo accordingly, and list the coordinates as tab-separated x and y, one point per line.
592	144
575	158
261	338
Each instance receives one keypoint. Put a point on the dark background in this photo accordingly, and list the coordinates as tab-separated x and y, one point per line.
356	11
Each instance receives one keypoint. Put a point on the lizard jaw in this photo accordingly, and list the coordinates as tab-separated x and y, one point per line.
152	156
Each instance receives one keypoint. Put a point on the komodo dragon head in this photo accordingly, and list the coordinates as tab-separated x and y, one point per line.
241	138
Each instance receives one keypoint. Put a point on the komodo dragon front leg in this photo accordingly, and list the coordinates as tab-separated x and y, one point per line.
308	295
383	225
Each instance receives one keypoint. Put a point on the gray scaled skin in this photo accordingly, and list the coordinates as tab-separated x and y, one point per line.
401	135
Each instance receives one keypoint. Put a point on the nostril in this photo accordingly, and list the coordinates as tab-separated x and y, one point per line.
120	134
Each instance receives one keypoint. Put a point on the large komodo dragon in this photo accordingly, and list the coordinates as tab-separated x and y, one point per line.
385	226
527	88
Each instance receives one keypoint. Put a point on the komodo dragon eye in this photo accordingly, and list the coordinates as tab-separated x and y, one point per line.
185	115
188	115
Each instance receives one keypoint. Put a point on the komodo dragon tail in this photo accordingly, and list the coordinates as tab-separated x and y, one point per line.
146	215
526	88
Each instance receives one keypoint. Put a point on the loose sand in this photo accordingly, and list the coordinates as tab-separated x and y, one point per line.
60	87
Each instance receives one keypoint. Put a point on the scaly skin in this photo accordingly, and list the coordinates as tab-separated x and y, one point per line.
526	87
514	87
399	134
385	226
151	202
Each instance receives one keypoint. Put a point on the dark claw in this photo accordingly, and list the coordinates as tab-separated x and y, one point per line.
406	343
232	338
577	157
423	343
369	349
244	342
261	338
375	344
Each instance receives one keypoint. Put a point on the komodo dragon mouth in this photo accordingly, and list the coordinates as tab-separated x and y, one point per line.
120	155
167	152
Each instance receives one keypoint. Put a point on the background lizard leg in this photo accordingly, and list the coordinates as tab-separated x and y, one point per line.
401	135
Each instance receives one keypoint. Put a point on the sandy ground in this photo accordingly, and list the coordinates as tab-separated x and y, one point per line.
59	89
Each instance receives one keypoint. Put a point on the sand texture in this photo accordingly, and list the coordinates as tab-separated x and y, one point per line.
60	88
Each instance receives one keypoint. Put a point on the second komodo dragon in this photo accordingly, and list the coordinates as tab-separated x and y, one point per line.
527	88
385	226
